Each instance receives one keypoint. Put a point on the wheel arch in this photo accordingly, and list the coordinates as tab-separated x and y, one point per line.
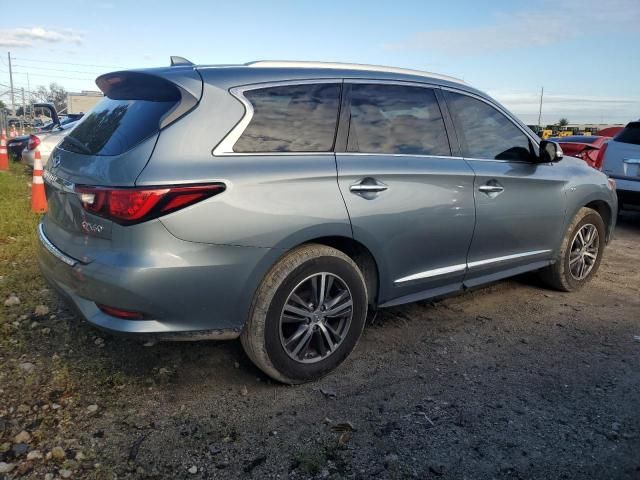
604	210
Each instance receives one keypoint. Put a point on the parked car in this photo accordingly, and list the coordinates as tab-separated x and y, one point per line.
589	148
16	145
49	126
622	162
45	143
279	201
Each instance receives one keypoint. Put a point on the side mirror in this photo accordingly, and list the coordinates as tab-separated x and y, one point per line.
550	152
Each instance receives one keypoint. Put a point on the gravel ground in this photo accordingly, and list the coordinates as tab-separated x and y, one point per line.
508	381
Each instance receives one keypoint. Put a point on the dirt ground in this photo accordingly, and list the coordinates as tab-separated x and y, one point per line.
509	381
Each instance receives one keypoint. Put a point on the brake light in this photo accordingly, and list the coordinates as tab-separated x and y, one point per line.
33	142
600	157
128	206
120	313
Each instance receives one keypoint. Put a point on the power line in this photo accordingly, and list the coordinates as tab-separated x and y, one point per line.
23	59
55	69
55	76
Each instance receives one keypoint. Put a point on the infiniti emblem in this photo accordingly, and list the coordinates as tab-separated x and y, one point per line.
56	161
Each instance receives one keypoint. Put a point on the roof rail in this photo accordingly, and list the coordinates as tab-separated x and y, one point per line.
348	66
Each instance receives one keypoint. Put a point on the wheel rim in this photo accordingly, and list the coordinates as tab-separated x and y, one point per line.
316	318
584	251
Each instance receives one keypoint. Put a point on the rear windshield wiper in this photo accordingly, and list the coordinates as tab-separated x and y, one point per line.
79	144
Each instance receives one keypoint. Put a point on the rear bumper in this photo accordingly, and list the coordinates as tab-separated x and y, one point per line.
628	191
201	293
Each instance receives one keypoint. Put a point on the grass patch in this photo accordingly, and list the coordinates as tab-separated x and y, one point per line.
19	272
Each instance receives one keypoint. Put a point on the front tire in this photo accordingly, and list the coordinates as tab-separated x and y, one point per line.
307	315
580	253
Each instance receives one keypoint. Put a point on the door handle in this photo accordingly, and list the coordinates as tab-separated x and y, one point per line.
491	189
360	188
368	188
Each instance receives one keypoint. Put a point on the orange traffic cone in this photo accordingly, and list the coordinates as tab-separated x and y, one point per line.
38	197
4	158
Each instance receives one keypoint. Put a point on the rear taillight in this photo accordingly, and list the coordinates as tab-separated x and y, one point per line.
127	206
33	142
600	157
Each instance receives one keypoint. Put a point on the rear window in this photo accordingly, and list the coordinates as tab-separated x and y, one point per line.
630	134
291	118
131	111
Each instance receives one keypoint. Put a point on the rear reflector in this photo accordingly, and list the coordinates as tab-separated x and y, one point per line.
128	206
120	313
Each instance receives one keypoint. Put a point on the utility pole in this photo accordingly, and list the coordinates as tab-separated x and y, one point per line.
30	97
13	101
24	111
540	111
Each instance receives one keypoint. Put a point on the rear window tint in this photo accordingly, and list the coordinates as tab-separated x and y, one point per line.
291	118
115	126
630	134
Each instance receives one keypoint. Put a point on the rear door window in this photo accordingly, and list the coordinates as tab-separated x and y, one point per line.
487	133
396	119
291	118
630	134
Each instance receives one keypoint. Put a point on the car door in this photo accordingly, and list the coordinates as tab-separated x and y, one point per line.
520	203
409	199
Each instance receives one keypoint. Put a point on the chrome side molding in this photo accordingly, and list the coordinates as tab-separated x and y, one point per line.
466	266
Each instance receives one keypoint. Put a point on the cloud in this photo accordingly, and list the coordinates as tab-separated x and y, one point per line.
578	108
22	37
550	23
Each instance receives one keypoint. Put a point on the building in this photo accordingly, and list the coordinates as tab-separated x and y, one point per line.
82	102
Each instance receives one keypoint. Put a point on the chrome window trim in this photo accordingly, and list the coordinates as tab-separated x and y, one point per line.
467	266
53	250
225	147
377	154
500	109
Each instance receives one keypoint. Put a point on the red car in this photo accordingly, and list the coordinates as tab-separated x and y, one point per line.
589	148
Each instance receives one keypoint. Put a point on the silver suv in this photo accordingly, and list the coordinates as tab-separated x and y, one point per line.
279	202
622	163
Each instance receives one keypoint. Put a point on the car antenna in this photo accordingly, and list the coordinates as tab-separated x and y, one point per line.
176	61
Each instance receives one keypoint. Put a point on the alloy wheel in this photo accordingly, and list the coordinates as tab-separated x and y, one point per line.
585	248
316	317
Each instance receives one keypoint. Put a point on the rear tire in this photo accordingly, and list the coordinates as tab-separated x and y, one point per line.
580	253
291	334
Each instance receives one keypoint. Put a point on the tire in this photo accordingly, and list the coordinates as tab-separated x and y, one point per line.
562	274
269	337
